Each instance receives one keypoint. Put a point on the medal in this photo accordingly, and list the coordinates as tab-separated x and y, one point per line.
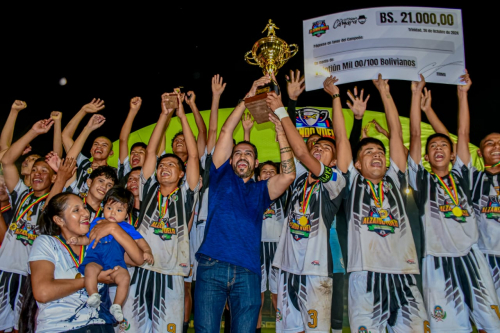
89	170
378	198
21	211
13	226
303	220
305	202
383	213
457	211
78	276
162	210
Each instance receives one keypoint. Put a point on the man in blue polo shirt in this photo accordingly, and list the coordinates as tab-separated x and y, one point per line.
229	257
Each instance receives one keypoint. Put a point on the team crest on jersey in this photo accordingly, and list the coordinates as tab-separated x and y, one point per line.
439	314
278	315
124	326
381	221
456	213
492	211
363	329
300	225
163	229
269	213
26	233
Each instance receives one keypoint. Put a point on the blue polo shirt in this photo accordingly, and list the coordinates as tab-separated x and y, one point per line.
234	224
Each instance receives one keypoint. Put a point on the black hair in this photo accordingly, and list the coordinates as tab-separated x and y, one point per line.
326	138
367	141
55	207
175	136
179	161
271	163
438	135
122	195
124	180
234	142
138	144
42	159
106	171
314	134
248	143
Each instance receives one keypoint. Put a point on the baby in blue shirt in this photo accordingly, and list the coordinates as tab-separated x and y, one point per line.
108	253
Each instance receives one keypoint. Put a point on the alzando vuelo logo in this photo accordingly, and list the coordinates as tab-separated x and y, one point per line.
313	121
345	22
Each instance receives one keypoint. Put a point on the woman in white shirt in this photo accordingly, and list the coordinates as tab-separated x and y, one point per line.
57	286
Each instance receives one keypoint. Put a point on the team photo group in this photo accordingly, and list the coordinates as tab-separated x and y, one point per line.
397	235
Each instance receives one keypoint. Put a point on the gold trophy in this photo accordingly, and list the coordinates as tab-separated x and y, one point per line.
270	53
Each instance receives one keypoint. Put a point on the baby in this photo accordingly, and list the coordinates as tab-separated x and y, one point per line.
108	253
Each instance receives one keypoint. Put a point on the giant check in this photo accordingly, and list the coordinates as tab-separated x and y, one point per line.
398	42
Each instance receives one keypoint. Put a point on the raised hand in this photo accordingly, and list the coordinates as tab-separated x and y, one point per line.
67	168
382	85
26	150
190	97
426	100
417	86
217	85
379	128
164	110
247	121
330	87
277	124
364	133
53	160
467	83
18	105
358	105
260	82
95	106
295	84
135	104
42	126
180	110
178	91
274	101
95	122
56	115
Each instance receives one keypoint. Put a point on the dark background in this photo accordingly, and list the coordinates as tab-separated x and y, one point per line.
125	51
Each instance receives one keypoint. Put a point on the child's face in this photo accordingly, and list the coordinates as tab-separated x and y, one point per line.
115	211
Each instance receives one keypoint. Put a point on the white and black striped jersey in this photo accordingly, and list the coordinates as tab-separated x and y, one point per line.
273	220
379	236
304	245
446	234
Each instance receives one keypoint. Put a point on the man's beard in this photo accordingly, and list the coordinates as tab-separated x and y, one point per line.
247	174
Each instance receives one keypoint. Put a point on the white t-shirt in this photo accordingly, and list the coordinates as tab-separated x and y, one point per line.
446	235
379	238
70	312
20	235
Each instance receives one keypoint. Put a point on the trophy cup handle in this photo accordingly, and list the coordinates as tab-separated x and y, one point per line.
250	59
292	50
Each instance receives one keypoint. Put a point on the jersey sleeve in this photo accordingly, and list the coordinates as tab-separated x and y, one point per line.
146	184
397	176
124	168
417	177
300	169
43	249
465	172
190	196
17	193
332	180
81	159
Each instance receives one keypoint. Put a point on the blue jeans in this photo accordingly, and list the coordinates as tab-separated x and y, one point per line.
218	281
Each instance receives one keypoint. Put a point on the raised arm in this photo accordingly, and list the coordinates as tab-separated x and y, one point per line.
135	105
11	174
463	118
224	145
150	161
69	130
278	184
295	85
201	142
94	123
396	146
247	123
65	172
425	105
57	144
358	108
217	89
415	119
193	161
8	128
344	154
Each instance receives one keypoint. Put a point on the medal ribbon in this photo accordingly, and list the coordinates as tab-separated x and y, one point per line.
71	253
305	202
377	197
454	198
5	208
132	222
21	212
98	212
163	209
491	166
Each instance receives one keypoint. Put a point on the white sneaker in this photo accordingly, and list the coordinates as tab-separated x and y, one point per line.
116	311
94	300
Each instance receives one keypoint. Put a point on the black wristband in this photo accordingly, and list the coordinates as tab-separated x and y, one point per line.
326	176
335	96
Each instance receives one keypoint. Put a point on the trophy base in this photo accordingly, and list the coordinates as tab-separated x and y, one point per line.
257	104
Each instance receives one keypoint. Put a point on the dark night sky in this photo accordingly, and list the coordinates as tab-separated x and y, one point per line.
121	52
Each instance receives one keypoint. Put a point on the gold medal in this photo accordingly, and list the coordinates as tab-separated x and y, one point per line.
457	211
89	170
303	221
78	276
13	226
383	213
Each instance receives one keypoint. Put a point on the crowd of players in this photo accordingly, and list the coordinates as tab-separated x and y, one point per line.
211	213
